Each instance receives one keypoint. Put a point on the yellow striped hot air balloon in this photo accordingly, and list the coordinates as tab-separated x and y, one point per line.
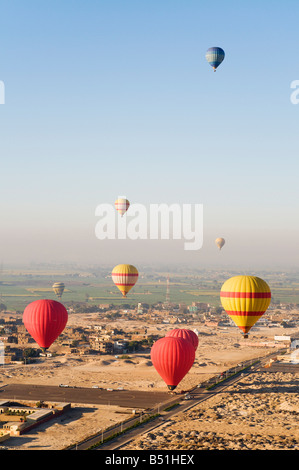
245	299
124	277
58	288
122	205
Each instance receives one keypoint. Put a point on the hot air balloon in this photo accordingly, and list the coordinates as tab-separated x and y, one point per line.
184	333
45	320
122	205
220	242
124	277
172	358
215	56
58	288
245	299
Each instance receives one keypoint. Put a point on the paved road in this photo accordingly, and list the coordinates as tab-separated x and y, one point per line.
124	398
198	395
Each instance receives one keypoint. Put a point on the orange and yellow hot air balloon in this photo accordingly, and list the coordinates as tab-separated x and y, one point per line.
122	205
220	242
245	299
124	277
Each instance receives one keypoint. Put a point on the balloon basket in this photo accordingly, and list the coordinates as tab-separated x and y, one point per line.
171	387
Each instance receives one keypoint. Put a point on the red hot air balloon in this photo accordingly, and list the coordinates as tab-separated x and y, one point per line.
172	358
184	333
45	320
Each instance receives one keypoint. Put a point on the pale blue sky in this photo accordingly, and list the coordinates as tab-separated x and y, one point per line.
105	98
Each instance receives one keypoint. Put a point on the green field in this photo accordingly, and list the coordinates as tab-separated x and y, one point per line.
18	289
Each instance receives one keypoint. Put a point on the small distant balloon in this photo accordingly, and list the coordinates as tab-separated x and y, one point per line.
215	55
125	277
220	242
58	288
122	205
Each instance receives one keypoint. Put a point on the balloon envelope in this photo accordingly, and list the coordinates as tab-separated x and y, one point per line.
245	299
58	288
184	333
124	277
220	242
172	358
215	55
45	320
122	205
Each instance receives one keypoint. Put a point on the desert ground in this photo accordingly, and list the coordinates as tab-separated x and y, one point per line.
258	413
253	408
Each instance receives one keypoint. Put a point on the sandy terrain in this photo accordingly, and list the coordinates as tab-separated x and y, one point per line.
259	413
217	351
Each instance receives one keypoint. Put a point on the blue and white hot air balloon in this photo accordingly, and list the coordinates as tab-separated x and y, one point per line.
215	56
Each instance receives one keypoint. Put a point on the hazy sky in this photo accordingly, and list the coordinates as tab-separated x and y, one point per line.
108	98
